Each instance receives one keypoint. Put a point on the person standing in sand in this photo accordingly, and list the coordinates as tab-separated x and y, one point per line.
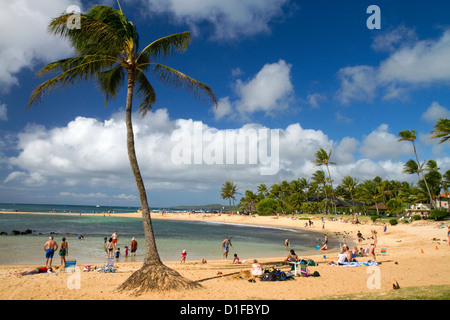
63	251
226	244
49	247
373	245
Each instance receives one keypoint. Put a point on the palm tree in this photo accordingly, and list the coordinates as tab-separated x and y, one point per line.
370	192
407	135
229	191
350	183
107	51
319	178
441	130
263	191
323	158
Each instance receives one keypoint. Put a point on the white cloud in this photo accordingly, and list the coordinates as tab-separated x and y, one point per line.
434	112
382	144
269	91
87	158
315	99
229	19
413	64
26	41
357	83
392	40
3	112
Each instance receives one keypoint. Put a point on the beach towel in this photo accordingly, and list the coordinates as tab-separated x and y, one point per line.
356	264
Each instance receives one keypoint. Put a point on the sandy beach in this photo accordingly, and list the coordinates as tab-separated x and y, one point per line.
417	254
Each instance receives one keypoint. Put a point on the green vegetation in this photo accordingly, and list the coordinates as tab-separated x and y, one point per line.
316	194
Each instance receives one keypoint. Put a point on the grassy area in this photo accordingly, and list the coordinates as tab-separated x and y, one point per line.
410	293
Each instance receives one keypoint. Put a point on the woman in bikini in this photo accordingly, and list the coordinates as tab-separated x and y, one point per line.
110	248
373	245
63	251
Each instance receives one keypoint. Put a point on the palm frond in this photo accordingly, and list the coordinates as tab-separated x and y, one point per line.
172	77
111	81
72	70
145	92
441	130
169	45
103	30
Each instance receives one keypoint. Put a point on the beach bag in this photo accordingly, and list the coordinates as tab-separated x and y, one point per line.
268	276
273	274
311	263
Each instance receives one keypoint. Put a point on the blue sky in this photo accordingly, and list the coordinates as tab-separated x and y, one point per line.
310	70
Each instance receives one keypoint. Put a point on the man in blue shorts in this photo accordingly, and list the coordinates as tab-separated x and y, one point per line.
50	247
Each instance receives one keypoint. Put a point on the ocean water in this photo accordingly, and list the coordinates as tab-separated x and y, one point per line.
201	239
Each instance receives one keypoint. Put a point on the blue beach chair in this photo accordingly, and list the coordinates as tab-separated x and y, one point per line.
109	266
70	265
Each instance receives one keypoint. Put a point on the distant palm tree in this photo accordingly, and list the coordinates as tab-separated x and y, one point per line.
441	130
350	183
323	158
320	178
107	50
370	192
407	135
229	190
263	191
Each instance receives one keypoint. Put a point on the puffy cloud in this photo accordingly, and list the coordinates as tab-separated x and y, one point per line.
382	144
269	91
87	158
392	40
27	41
414	63
230	19
434	112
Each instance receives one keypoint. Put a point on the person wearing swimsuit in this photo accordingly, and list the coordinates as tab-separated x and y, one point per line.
63	251
373	245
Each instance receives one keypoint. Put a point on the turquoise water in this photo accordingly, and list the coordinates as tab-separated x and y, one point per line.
200	239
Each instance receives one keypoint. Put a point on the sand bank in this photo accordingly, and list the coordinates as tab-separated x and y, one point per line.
417	254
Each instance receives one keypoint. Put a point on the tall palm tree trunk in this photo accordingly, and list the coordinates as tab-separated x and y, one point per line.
151	252
332	191
153	275
423	177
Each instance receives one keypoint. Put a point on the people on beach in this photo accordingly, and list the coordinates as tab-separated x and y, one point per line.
287	243
110	248
183	256
115	238
133	246
325	243
36	270
105	243
256	270
63	251
117	253
126	251
360	237
292	257
50	247
373	245
226	244
236	258
349	254
341	258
